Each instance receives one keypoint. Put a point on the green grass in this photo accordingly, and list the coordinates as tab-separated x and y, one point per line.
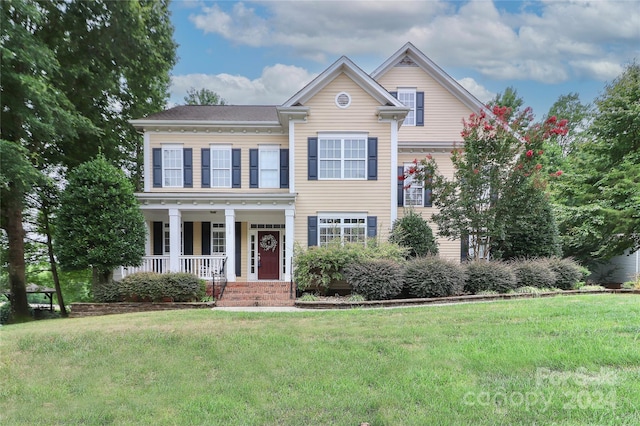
569	360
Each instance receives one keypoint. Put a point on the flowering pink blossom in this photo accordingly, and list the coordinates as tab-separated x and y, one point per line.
559	173
530	153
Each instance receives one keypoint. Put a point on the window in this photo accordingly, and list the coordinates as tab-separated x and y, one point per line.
167	239
269	166
348	229
220	166
172	172
342	157
413	191
218	238
408	98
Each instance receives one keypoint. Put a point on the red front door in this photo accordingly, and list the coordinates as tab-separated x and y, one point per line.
268	255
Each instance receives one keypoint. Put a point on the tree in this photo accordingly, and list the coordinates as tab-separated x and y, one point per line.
498	145
99	224
203	97
600	199
413	232
17	177
115	59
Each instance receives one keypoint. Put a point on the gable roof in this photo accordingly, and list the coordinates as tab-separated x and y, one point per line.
434	71
346	66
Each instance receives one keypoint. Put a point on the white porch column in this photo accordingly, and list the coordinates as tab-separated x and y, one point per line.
175	217
289	238
230	243
394	171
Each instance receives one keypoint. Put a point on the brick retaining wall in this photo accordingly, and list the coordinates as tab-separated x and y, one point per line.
95	309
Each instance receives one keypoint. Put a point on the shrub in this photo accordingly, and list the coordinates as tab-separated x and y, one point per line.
141	286
308	297
568	273
414	233
5	313
434	277
318	267
375	279
107	292
534	273
182	287
495	276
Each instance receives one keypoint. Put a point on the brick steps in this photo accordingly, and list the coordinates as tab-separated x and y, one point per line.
256	294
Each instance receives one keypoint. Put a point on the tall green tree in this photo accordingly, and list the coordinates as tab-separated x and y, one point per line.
203	96
35	117
116	58
600	198
99	223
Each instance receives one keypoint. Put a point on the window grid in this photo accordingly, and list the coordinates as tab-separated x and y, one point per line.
269	168
408	98
221	167
348	229
172	167
413	191
218	238
342	158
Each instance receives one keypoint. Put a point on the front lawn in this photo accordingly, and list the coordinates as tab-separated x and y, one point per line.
568	360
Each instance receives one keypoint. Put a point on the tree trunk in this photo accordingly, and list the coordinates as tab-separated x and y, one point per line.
100	278
15	255
52	259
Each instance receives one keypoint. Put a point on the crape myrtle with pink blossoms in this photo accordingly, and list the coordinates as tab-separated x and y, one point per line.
501	161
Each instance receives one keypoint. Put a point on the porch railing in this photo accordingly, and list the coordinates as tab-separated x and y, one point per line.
205	267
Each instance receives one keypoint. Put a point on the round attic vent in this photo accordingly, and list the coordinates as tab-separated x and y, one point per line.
343	100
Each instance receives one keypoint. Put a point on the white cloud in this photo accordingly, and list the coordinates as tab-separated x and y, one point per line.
482	93
547	41
276	84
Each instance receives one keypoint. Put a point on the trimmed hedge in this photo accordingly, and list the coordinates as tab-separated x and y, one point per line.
489	276
375	279
534	273
152	287
434	277
568	273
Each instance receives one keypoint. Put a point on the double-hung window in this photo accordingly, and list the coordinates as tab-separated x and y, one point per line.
347	229
269	165
408	98
218	240
342	157
172	166
413	190
220	166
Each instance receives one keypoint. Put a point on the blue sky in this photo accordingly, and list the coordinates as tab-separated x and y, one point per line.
263	52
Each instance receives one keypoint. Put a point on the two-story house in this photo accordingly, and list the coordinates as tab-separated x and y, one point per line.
243	183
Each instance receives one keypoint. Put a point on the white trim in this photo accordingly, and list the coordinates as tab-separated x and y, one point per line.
338	96
230	236
268	148
172	147
225	148
175	220
342	136
394	171
292	163
289	230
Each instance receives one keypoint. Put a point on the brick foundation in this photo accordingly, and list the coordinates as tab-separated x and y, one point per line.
95	309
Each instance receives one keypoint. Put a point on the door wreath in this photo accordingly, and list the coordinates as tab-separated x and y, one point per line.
268	242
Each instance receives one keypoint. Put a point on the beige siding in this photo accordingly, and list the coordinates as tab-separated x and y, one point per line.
447	248
443	112
360	196
197	141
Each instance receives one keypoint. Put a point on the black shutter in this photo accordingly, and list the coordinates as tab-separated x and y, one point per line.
206	238
158	238
372	159
284	168
419	108
236	175
312	159
157	167
187	229
187	155
400	186
312	231
253	168
238	265
206	168
372	226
